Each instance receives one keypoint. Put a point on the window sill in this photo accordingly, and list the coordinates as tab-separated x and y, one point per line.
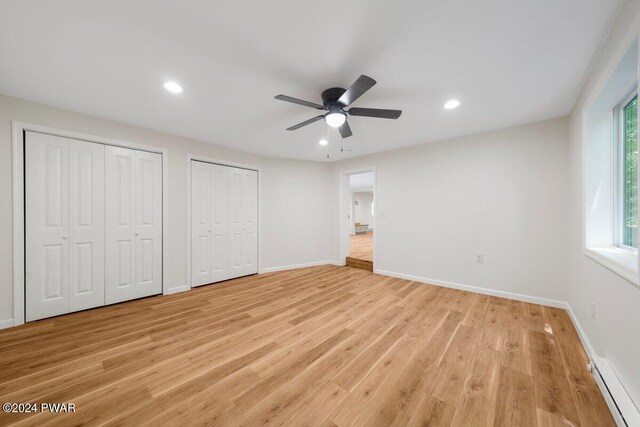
623	263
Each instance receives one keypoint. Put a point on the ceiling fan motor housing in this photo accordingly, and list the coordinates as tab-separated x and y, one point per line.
331	96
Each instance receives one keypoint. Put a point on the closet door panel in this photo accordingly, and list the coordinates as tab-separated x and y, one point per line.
148	224
120	224
201	224
46	225
250	222
220	225
236	198
86	225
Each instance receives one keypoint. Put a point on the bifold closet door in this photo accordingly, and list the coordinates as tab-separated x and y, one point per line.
224	211
250	223
243	228
209	237
236	224
133	261
64	220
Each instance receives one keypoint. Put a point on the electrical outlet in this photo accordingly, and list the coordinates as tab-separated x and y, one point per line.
593	310
479	258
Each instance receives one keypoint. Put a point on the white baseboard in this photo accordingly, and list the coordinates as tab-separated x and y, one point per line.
476	289
295	266
6	323
177	289
581	334
620	404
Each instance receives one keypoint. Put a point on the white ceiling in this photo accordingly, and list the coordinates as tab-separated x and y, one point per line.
362	182
508	62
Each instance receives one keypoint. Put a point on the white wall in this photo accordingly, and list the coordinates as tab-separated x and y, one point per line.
295	195
615	332
362	212
502	194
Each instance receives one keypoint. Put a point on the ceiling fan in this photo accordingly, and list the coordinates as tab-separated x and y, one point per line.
334	101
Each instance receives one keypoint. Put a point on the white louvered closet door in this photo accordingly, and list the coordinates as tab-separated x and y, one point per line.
64	194
133	261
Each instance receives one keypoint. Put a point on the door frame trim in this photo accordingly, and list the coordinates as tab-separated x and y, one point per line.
344	226
18	129
195	157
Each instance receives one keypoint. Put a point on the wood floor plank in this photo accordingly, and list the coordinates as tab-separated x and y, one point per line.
327	345
515	402
551	386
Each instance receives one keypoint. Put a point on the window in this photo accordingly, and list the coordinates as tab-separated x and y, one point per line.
610	156
627	217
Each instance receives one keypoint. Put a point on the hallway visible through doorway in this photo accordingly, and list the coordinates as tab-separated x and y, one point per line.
361	246
362	221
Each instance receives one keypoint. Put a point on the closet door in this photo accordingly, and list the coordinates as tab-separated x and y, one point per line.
220	223
86	225
47	227
250	223
133	224
201	223
120	230
236	224
148	224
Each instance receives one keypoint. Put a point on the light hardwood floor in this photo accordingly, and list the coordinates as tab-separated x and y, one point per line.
362	246
318	346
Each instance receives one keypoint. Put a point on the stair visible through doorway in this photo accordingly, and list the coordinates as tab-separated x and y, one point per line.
359	263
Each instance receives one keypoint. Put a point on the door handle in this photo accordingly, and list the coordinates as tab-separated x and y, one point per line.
65	237
137	234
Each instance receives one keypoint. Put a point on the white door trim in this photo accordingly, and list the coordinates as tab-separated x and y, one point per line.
18	129
344	229
214	161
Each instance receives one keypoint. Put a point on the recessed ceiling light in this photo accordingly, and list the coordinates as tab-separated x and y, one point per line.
173	87
451	104
323	142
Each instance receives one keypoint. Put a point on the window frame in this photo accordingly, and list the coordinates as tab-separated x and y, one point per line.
619	170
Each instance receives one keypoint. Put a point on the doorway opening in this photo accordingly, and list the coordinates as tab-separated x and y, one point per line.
358	230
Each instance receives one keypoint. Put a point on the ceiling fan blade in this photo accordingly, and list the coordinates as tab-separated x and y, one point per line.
345	130
306	122
356	90
375	112
299	101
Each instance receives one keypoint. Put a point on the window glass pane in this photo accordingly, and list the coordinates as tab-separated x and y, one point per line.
630	190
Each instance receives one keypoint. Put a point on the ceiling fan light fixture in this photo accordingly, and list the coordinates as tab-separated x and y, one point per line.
335	119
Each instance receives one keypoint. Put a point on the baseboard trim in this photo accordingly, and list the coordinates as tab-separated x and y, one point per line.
476	289
296	266
177	289
7	323
622	408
